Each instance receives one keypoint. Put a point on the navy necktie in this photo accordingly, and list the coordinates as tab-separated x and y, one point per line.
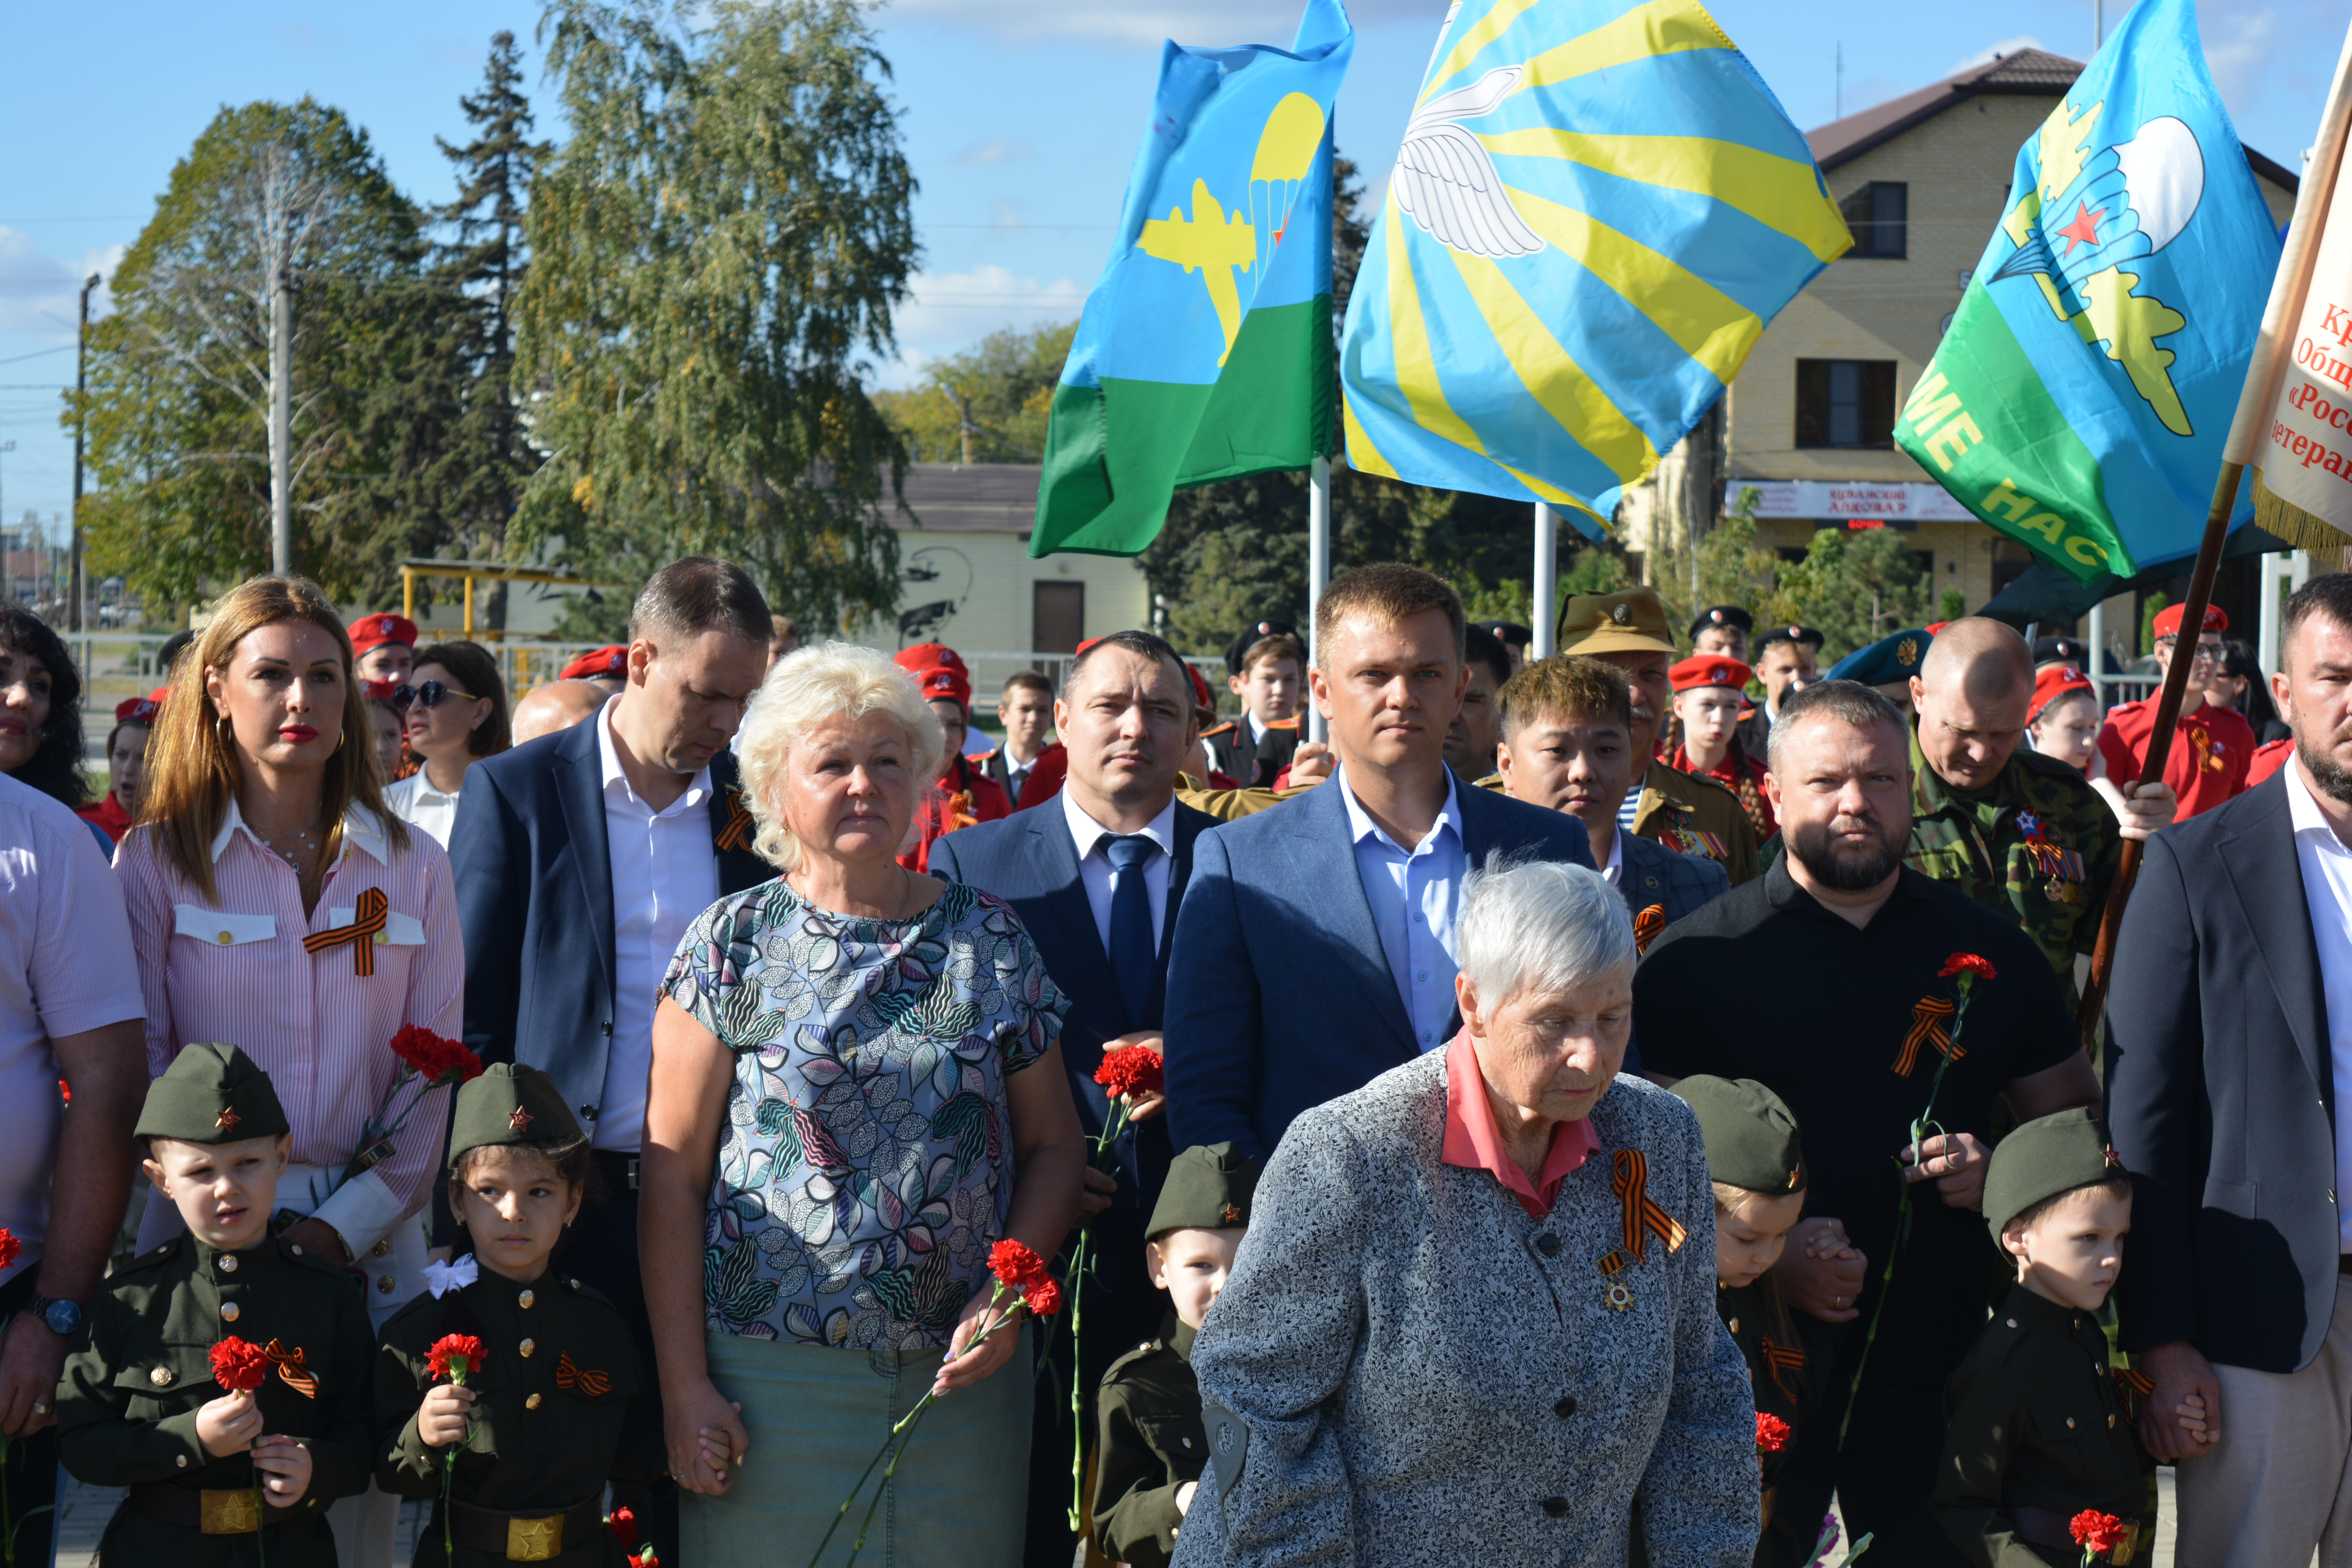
1132	948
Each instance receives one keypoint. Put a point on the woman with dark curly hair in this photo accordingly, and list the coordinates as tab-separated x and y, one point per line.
40	709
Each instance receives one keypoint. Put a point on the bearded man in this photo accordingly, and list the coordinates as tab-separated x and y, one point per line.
1861	1037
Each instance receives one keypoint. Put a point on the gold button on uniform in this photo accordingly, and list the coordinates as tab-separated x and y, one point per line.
225	939
162	1377
384	1283
230	1311
180	1459
525	1299
531	1403
383	1248
229	1263
381	937
526	1347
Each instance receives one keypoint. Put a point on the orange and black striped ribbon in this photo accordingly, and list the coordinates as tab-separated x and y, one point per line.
1781	1359
1647	925
361	933
1928	1017
1643	1216
569	1375
289	1366
737	833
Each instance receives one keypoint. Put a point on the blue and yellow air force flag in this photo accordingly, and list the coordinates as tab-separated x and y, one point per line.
1597	207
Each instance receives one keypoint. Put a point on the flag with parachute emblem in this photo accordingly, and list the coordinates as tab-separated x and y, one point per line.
2080	399
1204	351
1597	209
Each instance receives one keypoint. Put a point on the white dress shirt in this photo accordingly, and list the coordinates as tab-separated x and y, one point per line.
665	873
1416	900
1102	879
415	801
1616	866
2327	864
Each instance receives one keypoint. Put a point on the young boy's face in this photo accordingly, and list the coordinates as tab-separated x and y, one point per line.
226	1191
1709	713
1192	1266
2074	1249
1748	1236
1268	688
515	1206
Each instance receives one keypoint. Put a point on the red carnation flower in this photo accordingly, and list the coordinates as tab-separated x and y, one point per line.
455	1357
436	1056
240	1365
645	1557
623	1523
1132	1070
11	1248
1771	1434
2096	1533
64	1091
1017	1267
1044	1298
1969	962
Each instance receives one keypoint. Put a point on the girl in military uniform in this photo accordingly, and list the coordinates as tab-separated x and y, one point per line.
558	1406
1756	1162
219	1478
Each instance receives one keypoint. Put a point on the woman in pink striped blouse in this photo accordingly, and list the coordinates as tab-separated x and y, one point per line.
276	905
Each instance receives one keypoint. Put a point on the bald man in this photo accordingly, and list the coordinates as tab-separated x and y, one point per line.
2015	830
558	705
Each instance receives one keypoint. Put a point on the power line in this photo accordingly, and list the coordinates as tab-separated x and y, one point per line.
61	348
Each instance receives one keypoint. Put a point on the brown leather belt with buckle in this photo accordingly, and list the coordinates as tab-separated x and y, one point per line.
225	1512
520	1537
2041	1526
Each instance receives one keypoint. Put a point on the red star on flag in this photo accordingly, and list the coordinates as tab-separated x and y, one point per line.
2085	229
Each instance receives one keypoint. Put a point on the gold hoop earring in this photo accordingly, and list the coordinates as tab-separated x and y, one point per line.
340	735
225	731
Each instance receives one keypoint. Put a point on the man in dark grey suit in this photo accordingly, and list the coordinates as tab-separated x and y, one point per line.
1097	875
2231	1013
1315	947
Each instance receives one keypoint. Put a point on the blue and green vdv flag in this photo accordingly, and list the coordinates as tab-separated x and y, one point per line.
1204	351
1597	208
2079	401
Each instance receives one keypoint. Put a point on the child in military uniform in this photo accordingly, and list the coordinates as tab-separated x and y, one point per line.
2036	1429
1152	1443
554	1410
1756	1162
137	1405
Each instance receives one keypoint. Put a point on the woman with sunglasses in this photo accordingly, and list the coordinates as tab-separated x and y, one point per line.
457	713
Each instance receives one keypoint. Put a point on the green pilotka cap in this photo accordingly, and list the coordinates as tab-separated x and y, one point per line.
2046	1156
1209	1187
1751	1138
211	1094
509	1103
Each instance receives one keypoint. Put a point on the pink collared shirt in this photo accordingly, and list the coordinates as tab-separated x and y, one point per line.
234	969
1474	1142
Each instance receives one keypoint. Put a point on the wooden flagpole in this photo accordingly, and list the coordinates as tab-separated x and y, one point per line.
2255	402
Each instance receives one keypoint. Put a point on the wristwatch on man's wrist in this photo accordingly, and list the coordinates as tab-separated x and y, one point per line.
62	1316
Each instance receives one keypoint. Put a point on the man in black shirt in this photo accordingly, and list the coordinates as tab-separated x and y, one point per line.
1857	1053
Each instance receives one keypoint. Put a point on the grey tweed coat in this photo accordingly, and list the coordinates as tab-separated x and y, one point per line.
1430	1377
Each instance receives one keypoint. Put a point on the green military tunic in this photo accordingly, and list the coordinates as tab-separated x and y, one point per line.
2038	844
1152	1443
558	1411
1694	815
2034	1420
141	1368
1787	1355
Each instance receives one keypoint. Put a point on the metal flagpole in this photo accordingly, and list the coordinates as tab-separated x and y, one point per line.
1544	599
1318	566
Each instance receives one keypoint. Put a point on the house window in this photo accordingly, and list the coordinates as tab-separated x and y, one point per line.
1057	616
1845	403
1879	216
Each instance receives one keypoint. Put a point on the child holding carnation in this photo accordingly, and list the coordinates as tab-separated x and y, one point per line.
1756	1162
223	1375
2037	1433
525	1377
1153	1445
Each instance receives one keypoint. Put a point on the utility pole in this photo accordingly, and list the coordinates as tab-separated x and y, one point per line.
81	421
6	598
281	417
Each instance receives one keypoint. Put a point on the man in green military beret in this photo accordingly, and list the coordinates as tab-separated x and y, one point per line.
211	1463
2037	1430
1153	1445
559	1405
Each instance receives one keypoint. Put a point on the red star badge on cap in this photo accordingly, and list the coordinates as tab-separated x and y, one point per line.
227	1120
1231	1213
518	1119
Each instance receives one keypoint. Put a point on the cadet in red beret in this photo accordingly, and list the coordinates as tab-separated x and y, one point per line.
963	793
605	667
2063	717
383	646
2212	747
126	766
1710	689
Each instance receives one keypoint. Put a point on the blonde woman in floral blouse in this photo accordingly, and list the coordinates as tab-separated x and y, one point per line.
857	1091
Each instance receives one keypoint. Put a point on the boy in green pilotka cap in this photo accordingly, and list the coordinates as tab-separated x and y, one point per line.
1756	1163
2036	1429
1152	1443
139	1406
558	1406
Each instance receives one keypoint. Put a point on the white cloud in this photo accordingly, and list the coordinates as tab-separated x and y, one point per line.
952	310
39	293
995	149
2239	49
1133	22
2006	47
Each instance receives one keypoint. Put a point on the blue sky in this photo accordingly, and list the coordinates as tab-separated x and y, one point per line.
1020	116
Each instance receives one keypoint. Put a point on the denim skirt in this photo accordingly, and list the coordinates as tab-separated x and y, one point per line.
817	1416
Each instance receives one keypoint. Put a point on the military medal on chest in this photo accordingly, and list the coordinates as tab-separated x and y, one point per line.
2061	868
1641	1219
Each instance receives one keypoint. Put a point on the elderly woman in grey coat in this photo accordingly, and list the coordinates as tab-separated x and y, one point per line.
1474	1316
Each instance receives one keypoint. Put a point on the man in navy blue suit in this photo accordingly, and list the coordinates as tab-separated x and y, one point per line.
580	860
1097	875
1315	947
